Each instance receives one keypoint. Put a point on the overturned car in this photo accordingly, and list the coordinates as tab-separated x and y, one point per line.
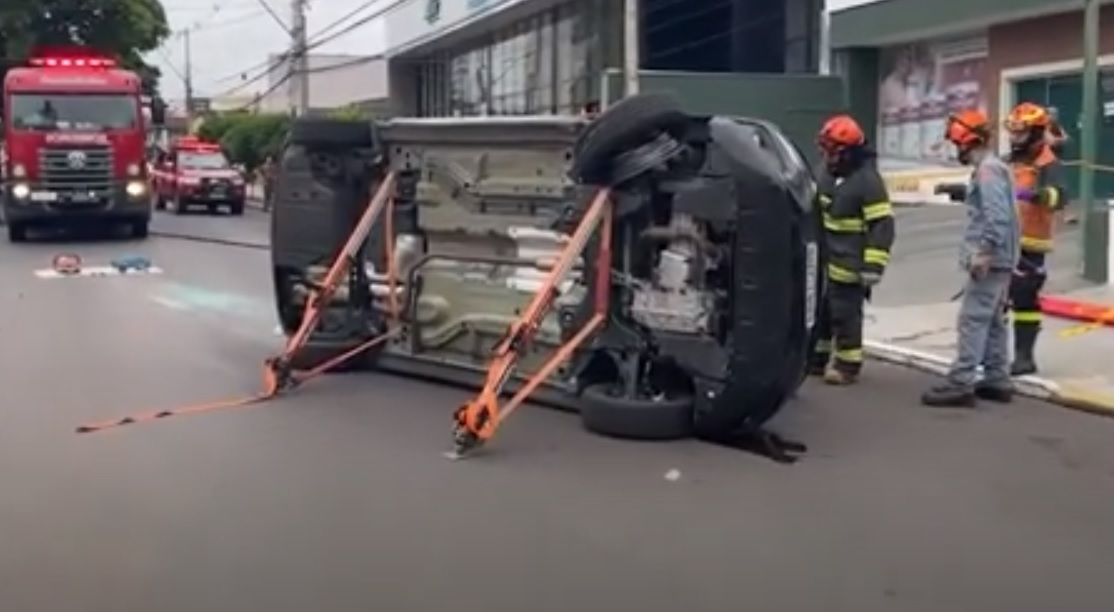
658	272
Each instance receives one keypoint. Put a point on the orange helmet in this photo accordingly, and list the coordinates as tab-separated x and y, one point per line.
840	132
967	129
1026	116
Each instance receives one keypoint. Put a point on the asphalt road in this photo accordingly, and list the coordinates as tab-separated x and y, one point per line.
924	268
337	499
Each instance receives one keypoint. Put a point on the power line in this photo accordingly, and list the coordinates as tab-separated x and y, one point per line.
271	65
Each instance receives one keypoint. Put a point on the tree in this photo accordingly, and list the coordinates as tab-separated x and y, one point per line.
247	138
125	29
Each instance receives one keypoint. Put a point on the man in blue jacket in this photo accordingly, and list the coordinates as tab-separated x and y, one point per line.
991	248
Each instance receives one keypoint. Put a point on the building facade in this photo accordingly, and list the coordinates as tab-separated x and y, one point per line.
495	57
335	81
909	67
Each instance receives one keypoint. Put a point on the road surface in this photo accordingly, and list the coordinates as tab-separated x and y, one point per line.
924	268
336	499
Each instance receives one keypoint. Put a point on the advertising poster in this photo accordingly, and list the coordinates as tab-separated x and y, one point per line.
921	84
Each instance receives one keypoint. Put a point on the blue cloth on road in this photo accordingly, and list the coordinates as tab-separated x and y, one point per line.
992	222
984	337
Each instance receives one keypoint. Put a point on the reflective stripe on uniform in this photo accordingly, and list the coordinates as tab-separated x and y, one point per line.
825	200
1027	316
878	257
841	275
1039	245
850	355
1052	197
824	346
878	210
843	225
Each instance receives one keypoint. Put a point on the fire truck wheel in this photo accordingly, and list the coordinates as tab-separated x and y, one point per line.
160	203
603	411
17	232
623	126
332	133
236	209
176	206
140	228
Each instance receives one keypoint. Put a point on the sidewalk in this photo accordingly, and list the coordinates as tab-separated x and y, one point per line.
1075	357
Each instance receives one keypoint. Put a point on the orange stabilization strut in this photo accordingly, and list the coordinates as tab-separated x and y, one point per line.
278	375
477	421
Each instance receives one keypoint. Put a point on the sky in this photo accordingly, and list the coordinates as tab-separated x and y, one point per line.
231	36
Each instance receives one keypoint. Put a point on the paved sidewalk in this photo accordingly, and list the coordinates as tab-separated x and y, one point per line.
1075	357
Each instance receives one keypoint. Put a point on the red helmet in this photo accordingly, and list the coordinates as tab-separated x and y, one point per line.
968	129
840	132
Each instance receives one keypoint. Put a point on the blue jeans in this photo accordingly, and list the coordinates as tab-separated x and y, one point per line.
983	332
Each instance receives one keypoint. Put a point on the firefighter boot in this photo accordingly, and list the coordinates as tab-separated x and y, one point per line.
948	395
840	378
1024	342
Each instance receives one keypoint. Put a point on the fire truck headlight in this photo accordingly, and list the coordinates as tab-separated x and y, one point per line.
133	169
18	171
136	188
21	191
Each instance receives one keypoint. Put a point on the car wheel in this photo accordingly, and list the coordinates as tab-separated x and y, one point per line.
140	228
775	246
604	411
332	133
17	232
625	125
236	209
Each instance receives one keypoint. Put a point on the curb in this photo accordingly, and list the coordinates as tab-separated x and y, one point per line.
1077	310
1034	387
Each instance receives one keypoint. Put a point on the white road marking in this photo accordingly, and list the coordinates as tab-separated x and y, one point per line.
97	272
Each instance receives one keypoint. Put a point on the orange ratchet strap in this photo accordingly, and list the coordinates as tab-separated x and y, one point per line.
477	421
278	375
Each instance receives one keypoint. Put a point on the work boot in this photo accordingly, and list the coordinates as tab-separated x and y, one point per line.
995	392
817	367
948	395
1024	342
840	378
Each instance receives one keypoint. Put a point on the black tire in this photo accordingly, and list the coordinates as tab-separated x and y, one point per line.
332	133
236	209
17	232
771	341
160	203
179	208
623	126
607	414
313	355
140	228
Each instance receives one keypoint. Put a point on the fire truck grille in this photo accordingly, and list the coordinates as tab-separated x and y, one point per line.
86	168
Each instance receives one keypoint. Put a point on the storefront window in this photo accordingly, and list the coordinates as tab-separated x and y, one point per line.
921	84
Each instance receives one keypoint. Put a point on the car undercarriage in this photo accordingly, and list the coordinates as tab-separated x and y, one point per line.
660	273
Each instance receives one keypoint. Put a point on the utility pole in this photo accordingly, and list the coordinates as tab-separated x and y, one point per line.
299	60
187	77
1096	238
632	41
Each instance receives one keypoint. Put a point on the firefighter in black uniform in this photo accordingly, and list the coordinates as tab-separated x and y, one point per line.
859	231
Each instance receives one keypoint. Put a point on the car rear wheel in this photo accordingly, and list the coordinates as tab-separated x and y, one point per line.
604	410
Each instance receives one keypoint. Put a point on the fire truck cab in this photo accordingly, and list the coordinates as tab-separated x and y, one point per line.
74	145
196	173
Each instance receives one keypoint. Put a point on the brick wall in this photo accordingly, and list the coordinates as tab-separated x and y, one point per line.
1039	41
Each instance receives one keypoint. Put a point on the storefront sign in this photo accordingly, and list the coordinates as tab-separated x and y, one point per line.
921	84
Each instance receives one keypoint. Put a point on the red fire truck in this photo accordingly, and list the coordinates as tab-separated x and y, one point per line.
74	143
196	173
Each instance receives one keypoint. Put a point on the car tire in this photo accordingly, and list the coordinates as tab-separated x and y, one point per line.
771	340
236	209
605	413
622	127
17	232
140	229
313	355
332	133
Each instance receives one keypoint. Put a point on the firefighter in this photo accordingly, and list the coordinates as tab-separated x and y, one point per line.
859	231
1038	182
991	244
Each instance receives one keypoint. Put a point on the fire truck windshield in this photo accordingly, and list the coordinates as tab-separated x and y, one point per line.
49	112
202	160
